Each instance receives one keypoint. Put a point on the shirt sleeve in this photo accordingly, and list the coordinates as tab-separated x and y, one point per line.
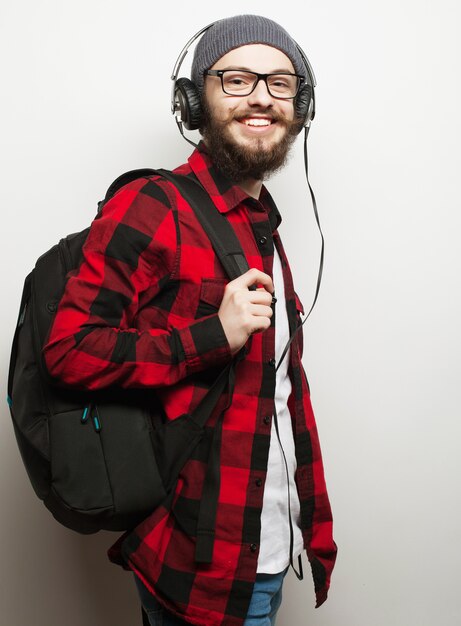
93	342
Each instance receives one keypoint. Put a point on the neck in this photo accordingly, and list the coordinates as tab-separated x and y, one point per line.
252	187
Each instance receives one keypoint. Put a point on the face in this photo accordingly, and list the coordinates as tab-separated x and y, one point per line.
249	136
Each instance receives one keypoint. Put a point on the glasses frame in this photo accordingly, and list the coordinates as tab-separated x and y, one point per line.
263	77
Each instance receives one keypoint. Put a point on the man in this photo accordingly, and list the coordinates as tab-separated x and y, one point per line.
151	306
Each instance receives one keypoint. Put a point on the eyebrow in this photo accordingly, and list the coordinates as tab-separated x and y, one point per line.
247	69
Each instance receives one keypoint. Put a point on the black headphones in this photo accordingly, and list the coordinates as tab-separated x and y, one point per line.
186	102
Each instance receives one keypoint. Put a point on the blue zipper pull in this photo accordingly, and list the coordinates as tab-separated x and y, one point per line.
85	414
96	420
92	411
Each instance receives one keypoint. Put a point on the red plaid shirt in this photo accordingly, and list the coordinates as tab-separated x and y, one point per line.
141	311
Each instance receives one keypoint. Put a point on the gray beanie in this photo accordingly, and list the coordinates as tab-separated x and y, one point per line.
233	32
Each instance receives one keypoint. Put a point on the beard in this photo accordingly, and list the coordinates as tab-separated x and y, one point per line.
240	162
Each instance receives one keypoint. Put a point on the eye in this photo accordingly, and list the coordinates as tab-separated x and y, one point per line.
238	79
279	82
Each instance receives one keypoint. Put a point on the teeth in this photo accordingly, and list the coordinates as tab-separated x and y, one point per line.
257	122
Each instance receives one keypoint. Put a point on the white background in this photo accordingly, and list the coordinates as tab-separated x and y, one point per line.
85	96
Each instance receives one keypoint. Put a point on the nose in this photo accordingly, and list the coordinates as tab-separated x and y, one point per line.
260	95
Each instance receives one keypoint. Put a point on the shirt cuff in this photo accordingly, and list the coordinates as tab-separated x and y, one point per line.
205	344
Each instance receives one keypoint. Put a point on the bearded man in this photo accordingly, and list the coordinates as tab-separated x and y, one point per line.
151	306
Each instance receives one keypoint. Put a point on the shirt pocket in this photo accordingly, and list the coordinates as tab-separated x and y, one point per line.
211	295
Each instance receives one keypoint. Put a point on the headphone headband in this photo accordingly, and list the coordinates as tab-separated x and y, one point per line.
179	61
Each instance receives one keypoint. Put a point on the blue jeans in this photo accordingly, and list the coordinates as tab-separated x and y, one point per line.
264	604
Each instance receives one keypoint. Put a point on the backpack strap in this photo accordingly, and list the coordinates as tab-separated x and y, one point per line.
215	224
124	179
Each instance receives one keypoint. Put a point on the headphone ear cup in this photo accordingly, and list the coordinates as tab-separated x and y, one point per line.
188	98
304	104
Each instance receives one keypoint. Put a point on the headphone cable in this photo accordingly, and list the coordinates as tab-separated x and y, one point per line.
322	250
317	219
181	130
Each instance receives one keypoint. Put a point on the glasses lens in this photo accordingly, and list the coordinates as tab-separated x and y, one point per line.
238	83
283	85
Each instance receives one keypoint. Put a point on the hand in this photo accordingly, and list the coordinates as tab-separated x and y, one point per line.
244	311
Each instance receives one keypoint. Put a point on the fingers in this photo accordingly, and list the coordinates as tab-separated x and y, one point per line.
260	323
257	309
253	277
258	297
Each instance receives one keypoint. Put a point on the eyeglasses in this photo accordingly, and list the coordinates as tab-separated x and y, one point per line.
242	83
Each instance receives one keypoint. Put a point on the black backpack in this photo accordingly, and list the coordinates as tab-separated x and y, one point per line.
103	460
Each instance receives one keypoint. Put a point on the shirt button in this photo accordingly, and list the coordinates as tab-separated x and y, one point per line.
258	482
253	547
267	420
272	362
262	240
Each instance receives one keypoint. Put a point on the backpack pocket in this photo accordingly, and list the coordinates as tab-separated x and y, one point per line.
103	467
78	470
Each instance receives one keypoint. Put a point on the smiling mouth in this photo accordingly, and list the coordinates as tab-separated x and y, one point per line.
256	122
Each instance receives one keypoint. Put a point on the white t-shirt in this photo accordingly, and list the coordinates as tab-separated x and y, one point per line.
274	554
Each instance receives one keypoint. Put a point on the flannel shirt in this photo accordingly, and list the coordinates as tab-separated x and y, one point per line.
141	311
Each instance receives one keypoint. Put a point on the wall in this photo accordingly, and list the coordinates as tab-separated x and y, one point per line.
86	95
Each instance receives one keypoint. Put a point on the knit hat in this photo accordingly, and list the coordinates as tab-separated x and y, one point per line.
233	32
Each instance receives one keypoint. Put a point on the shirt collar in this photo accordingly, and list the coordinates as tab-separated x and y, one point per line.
225	194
